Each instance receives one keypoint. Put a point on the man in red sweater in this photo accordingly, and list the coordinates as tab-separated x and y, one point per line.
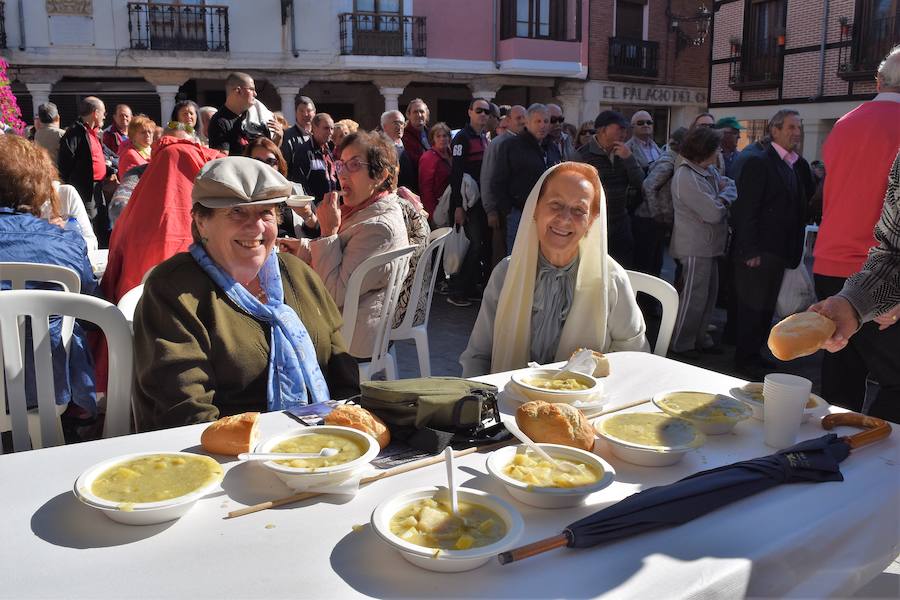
858	155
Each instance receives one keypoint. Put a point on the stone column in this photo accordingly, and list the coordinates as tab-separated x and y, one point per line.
40	94
814	133
288	94
569	96
391	97
487	94
166	102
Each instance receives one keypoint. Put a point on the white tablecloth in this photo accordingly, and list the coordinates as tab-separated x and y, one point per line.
817	540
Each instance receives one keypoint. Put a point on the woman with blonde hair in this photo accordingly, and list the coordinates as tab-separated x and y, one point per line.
135	151
560	290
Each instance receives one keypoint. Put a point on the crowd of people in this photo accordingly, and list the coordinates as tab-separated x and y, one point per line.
555	215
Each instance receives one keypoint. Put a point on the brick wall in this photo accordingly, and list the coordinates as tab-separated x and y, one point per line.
729	23
720	91
691	68
804	23
801	72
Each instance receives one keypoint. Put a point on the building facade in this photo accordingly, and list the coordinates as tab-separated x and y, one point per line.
651	55
355	58
816	56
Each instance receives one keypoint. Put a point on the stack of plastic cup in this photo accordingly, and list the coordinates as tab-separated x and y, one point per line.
785	398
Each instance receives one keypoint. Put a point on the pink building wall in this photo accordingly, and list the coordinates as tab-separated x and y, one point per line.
462	30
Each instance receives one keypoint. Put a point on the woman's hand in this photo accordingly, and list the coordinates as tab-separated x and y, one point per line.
329	214
839	310
289	245
889	318
306	213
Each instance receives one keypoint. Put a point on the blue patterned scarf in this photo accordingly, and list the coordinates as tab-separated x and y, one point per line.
293	367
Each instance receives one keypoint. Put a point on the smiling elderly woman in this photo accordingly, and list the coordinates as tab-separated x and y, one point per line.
233	326
559	291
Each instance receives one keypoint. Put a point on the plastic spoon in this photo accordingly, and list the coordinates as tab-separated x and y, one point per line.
451	480
518	433
323	453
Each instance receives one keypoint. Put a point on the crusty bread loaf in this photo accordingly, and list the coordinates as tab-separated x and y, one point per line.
602	368
555	424
799	335
231	435
350	415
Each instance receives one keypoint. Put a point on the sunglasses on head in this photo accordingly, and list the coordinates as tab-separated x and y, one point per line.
271	160
482	111
642	123
557	120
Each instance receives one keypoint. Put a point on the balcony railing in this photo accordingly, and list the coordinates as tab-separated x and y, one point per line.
757	66
864	45
178	27
633	58
371	34
2	24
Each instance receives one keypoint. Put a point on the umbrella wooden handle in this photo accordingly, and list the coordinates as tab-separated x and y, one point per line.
544	545
875	429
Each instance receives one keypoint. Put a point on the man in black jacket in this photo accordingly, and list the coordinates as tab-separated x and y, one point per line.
520	163
299	133
768	217
467	151
619	171
314	168
82	163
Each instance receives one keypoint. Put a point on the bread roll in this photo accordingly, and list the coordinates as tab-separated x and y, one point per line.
231	435
350	415
555	424
799	335
602	368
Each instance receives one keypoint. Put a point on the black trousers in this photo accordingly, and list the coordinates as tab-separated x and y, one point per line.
757	292
476	268
621	242
869	353
100	217
649	240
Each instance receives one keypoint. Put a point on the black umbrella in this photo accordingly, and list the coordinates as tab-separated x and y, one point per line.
811	461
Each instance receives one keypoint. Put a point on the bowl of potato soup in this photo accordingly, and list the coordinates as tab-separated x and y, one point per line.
148	487
544	384
356	449
535	481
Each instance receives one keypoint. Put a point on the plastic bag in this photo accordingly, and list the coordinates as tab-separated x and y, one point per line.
455	249
797	292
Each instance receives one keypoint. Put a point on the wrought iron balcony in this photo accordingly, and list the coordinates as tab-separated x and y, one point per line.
864	45
758	66
633	58
2	24
178	27
371	34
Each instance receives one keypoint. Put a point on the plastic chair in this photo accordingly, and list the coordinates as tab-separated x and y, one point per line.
39	305
413	328
18	275
381	358
667	296
128	303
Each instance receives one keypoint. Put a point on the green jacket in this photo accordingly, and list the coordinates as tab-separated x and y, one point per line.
198	356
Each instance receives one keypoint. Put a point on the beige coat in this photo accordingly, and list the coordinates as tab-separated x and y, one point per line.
375	229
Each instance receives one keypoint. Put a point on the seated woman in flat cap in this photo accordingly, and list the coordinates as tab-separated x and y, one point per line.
560	290
231	326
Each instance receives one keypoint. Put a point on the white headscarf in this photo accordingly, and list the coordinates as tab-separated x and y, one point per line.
585	327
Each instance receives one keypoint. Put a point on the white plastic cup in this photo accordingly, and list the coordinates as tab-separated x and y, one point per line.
785	398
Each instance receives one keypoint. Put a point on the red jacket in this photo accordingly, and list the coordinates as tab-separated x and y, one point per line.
412	143
156	224
434	176
129	158
858	155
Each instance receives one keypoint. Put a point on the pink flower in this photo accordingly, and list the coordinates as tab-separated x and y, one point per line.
10	114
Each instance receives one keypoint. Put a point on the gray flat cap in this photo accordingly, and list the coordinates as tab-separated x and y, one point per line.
238	180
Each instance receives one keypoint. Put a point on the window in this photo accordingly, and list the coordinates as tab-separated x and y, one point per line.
630	19
383	15
761	60
542	19
877	31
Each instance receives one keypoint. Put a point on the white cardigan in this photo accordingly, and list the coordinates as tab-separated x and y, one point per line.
625	325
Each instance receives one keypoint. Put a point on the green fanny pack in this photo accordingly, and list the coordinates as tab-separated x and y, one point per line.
431	412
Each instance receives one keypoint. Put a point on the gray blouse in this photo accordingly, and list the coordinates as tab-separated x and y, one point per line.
554	289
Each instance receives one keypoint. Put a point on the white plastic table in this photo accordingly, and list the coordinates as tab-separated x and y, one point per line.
809	540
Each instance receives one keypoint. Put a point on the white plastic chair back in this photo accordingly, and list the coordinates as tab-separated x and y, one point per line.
381	359
421	293
19	274
128	303
667	296
39	305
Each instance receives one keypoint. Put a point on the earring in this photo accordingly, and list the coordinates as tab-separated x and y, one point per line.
203	240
